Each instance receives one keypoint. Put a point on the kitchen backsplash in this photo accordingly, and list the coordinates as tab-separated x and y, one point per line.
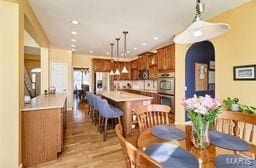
138	84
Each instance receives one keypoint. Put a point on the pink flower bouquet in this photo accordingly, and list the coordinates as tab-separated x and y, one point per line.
202	112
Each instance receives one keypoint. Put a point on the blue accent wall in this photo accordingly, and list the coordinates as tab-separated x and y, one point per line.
202	52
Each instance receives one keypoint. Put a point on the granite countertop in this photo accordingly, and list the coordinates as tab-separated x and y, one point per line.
122	96
50	101
143	90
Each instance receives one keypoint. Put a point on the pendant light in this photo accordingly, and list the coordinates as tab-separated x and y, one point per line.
124	69
117	54
200	30
111	47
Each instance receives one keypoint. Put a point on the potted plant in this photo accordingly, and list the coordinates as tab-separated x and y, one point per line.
202	112
235	105
228	103
248	109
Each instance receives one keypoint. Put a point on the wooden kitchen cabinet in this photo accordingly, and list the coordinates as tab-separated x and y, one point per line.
101	65
166	58
108	65
153	72
134	74
134	64
144	60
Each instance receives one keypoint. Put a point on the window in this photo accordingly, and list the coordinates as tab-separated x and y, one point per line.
80	76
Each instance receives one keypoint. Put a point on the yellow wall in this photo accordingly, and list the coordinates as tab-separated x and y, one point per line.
236	47
9	85
64	56
44	56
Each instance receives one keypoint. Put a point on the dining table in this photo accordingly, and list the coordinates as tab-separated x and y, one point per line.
205	157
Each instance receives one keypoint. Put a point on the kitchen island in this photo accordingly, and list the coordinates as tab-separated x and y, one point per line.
42	128
128	102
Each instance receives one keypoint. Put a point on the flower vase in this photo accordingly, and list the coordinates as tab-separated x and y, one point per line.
200	135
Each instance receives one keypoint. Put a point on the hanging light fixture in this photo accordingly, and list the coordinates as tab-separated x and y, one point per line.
111	47
200	30
117	72
125	52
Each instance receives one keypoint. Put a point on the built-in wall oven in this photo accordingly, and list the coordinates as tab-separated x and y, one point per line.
167	100
165	84
166	90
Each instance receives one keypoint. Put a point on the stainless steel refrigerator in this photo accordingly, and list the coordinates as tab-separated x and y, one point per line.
102	81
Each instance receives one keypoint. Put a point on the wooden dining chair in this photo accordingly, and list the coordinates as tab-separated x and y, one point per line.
152	115
237	124
134	157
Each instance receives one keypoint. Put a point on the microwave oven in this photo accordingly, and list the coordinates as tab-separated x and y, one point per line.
143	74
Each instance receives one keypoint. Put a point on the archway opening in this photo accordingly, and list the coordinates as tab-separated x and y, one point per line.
200	70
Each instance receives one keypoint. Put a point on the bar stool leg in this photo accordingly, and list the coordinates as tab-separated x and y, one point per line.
99	125
119	120
96	116
105	129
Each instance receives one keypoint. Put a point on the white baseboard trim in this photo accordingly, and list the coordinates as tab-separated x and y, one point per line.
20	166
70	109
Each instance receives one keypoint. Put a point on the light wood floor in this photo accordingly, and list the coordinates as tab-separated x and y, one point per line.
83	145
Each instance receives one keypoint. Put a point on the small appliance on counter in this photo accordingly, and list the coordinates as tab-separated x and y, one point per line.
27	99
166	89
52	90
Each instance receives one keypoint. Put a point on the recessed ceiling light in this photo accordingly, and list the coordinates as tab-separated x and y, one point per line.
74	33
74	40
155	38
144	44
73	49
75	22
127	52
91	52
135	48
73	45
107	53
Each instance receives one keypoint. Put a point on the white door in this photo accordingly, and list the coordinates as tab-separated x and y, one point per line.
59	77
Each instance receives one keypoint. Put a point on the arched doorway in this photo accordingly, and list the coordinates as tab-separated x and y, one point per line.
200	70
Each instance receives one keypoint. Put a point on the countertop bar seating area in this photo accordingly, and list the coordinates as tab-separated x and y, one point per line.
127	84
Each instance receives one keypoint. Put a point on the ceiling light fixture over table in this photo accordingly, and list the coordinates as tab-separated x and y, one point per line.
200	30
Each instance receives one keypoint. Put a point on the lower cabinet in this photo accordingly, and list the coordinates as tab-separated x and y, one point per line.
42	134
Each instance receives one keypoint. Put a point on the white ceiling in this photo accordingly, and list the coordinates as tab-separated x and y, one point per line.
103	20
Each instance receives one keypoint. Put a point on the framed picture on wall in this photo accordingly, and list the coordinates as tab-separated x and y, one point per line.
245	72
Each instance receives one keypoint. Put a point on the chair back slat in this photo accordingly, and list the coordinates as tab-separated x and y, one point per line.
238	124
133	156
152	115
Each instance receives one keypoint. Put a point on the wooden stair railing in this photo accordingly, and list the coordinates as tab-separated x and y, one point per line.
28	83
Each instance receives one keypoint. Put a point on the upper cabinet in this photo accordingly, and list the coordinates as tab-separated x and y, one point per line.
166	58
134	64
144	61
153	66
101	65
